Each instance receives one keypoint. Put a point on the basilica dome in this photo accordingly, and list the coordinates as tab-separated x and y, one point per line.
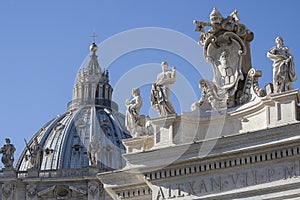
65	141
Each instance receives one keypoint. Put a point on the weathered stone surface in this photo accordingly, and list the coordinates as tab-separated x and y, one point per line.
283	67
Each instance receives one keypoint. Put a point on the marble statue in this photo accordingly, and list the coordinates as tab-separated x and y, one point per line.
93	149
7	151
160	92
283	67
35	154
226	46
133	111
136	124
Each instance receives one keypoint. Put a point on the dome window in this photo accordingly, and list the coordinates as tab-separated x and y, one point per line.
77	148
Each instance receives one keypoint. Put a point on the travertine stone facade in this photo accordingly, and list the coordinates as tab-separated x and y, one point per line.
233	165
239	141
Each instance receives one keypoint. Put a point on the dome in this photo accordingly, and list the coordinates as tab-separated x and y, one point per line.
65	142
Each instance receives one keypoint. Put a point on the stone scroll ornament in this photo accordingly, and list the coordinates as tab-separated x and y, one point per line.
227	47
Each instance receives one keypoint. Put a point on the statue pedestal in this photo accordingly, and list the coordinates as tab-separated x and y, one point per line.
32	173
282	108
9	172
165	129
138	144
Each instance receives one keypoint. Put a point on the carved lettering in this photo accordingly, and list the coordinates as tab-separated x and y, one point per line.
180	189
190	187
235	178
254	175
290	171
203	187
170	192
271	173
216	184
160	194
204	184
245	179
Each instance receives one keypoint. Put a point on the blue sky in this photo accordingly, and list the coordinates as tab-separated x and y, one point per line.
43	44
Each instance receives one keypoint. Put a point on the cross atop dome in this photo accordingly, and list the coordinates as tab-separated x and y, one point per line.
93	46
94	37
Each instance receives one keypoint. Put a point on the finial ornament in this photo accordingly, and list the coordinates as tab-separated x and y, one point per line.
93	47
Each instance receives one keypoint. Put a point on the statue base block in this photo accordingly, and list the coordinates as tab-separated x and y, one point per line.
164	130
33	173
138	144
9	172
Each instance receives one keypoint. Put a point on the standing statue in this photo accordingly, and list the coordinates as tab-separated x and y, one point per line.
93	149
283	67
133	111
7	151
160	92
35	154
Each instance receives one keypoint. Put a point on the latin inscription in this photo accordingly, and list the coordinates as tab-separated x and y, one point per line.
218	182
